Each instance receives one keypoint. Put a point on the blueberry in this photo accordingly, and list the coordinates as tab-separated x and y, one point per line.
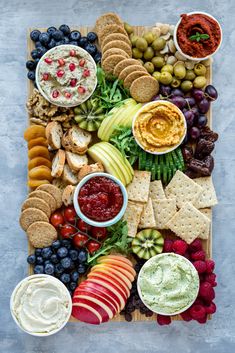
65	278
47	262
82	42
73	254
38	269
54	259
58	35
98	57
38	44
67	243
65	29
60	42
73	285
74	276
91	49
44	38
31	75
34	54
30	64
38	251
46	253
82	256
66	40
51	44
81	269
51	30
56	244
58	269
39	260
91	36
31	259
36	61
72	266
62	252
41	51
73	42
75	35
66	262
49	269
34	35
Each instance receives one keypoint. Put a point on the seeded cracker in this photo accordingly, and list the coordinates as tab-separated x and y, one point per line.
208	196
116	36
164	210
123	64
147	219
132	216
114	51
110	62
144	88
41	234
156	190
133	76
138	189
31	215
118	44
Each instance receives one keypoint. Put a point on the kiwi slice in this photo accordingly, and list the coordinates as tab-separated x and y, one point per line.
147	243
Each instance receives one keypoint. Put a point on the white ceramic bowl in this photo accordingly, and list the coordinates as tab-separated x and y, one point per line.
91	221
170	149
176	312
37	75
176	41
59	283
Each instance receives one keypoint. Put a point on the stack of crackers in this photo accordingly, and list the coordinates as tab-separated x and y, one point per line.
184	207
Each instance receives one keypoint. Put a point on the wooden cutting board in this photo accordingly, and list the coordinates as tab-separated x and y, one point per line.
207	244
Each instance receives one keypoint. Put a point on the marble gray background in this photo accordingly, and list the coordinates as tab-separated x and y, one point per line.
219	334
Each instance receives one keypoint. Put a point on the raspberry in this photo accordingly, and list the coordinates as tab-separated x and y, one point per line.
211	278
200	266
196	245
202	320
199	301
210	265
167	247
198	255
197	311
206	291
163	320
210	309
179	247
186	315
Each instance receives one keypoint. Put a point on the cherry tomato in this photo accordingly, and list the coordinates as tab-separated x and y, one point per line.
99	232
57	219
83	226
80	240
70	214
93	246
67	231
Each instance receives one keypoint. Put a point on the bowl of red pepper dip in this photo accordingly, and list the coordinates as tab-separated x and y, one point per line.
100	199
197	35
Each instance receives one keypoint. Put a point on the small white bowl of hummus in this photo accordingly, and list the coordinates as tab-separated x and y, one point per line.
41	305
66	75
168	284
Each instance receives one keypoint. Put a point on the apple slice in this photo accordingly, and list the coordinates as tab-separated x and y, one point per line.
120	269
86	313
86	294
116	257
118	263
100	309
111	278
109	271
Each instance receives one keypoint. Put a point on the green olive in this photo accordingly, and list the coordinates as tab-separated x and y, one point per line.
179	71
149	66
141	44
149	36
199	82
133	39
156	75
165	78
186	86
128	28
158	61
141	61
200	69
136	53
175	82
149	53
190	75
159	43
168	68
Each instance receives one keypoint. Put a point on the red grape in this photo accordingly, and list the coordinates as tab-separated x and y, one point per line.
195	111
156	98
177	92
189	116
165	90
194	133
178	101
211	93
198	94
204	106
190	101
201	121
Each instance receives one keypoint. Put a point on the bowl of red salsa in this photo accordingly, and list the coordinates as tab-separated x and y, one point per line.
100	199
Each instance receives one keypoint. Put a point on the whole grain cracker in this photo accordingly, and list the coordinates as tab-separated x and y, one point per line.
183	188
111	28
147	219
31	215
138	189
132	217
114	51
110	62
41	234
107	19
35	202
164	210
144	88
123	64
115	36
207	197
49	199
132	77
130	69
156	190
54	192
118	44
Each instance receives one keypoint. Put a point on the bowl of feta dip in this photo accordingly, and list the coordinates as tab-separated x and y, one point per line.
168	284
40	305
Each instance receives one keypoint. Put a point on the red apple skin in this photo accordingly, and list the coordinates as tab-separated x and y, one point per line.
84	314
112	272
121	269
118	263
89	294
103	313
111	279
116	257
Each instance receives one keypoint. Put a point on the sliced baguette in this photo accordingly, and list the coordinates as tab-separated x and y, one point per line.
67	196
54	134
68	176
58	164
76	140
76	161
88	169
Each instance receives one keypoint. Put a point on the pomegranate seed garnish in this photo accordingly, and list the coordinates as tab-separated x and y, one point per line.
82	62
67	94
60	73
81	89
86	73
61	62
48	60
45	76
72	52
55	94
72	67
73	82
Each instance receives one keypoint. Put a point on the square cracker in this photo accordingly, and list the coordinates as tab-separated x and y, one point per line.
164	210
183	188
189	223
207	198
138	189
132	216
147	219
207	212
156	190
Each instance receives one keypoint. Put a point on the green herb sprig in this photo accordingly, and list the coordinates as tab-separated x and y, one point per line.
199	36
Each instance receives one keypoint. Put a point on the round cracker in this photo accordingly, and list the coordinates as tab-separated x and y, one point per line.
125	72
114	51
35	202
107	19
123	64
41	234
118	44
49	199
31	215
54	192
144	88
116	36
113	28
132	77
109	63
